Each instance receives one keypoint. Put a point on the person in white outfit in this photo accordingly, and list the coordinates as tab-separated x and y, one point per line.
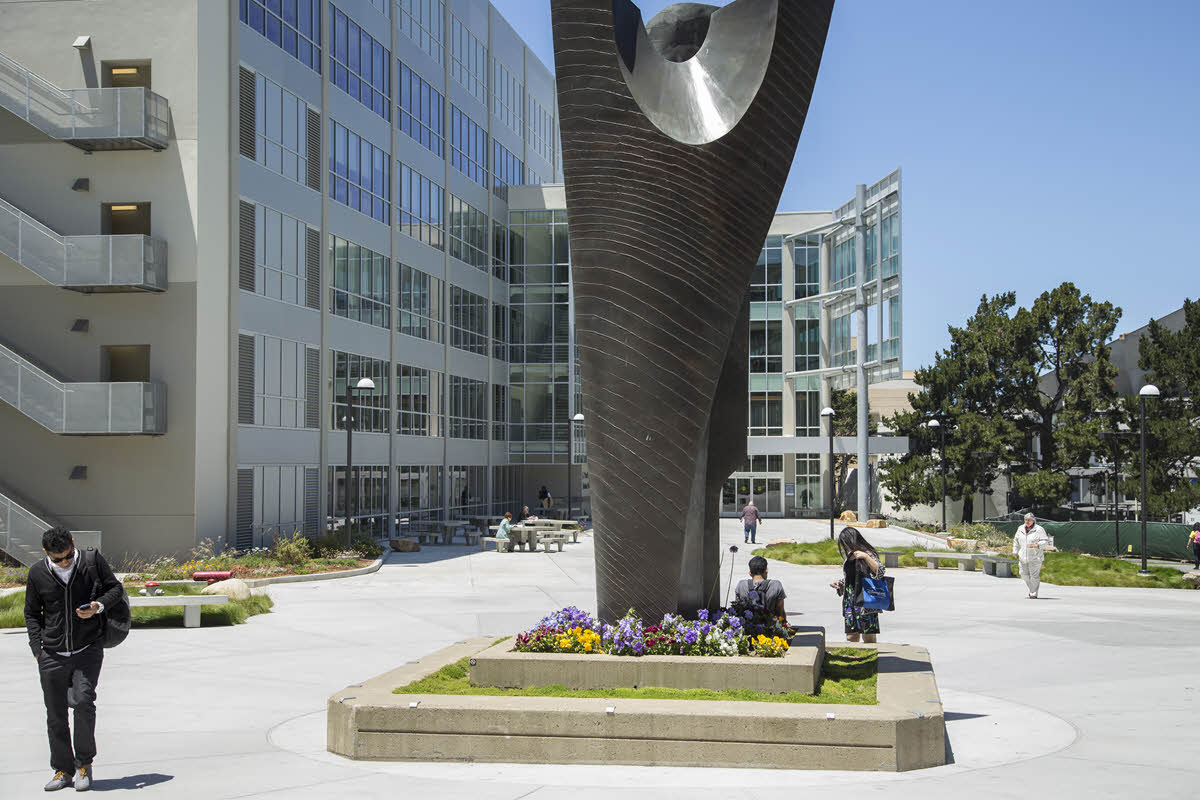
1030	545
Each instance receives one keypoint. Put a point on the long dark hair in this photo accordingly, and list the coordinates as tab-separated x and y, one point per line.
849	540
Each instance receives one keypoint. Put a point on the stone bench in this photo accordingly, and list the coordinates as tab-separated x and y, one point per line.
553	538
891	558
191	604
424	537
999	566
502	545
966	561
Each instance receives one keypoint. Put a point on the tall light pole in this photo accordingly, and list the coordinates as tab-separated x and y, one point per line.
571	467
1149	390
351	484
937	426
827	413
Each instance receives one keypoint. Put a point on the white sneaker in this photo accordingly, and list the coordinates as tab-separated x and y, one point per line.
61	780
83	778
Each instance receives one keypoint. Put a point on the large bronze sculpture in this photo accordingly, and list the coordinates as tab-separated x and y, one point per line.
677	137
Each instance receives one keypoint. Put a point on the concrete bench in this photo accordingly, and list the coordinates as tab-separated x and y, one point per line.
891	558
966	561
997	565
502	545
191	604
553	538
424	537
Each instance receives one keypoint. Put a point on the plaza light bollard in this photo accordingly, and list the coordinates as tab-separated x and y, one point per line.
1149	390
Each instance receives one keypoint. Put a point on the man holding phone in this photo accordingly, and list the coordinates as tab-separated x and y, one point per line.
65	632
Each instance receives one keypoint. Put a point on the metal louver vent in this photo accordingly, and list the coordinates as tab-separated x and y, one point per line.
246	112
312	388
312	268
312	501
245	387
246	224
244	528
314	150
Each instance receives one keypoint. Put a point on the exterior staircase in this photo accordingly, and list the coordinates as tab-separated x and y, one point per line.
73	408
131	263
22	526
131	118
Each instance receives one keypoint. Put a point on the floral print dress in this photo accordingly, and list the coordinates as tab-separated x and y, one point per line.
857	618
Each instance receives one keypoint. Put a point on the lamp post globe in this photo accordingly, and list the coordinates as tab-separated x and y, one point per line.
352	497
828	414
1149	390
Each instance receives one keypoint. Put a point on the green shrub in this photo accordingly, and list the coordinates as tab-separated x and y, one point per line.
364	547
986	534
292	550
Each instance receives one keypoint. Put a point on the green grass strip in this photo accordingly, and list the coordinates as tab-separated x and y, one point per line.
235	612
848	677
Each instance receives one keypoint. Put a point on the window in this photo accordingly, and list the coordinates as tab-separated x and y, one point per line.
540	126
468	408
509	171
292	25
891	329
806	255
501	247
280	262
419	403
359	65
358	174
808	413
421	304
766	414
419	491
807	337
368	493
842	346
890	240
507	93
870	250
421	111
468	321
279	501
362	283
468	234
844	270
370	405
468	146
420	208
761	464
468	490
280	130
808	481
766	283
468	60
499	412
423	21
766	346
280	395
500	323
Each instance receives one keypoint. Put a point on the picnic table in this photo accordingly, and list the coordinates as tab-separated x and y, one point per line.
455	527
522	535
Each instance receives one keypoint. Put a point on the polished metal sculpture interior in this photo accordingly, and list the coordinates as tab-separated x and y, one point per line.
677	137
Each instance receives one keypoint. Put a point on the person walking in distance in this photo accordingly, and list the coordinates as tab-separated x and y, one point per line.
750	519
1194	544
1030	545
65	634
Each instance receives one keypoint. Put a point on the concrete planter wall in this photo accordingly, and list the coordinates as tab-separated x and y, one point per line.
798	671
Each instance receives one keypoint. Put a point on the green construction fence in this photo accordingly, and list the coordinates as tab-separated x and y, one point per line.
1166	540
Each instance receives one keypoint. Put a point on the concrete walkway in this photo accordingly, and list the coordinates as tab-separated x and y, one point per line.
1086	693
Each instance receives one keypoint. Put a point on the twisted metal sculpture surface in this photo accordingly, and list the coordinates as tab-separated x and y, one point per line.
677	137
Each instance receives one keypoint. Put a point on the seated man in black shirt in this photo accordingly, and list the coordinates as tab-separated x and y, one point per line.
759	590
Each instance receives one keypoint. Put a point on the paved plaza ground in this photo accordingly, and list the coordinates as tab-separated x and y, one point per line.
1085	693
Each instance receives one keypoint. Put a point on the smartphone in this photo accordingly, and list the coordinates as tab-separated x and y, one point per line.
85	607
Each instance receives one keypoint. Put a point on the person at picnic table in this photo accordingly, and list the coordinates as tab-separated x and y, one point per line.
526	516
506	525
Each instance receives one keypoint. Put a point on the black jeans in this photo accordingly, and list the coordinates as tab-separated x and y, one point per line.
70	682
1196	552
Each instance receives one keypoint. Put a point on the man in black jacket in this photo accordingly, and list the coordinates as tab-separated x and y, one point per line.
65	632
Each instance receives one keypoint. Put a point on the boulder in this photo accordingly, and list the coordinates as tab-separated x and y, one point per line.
780	542
875	523
233	588
405	546
848	516
1192	579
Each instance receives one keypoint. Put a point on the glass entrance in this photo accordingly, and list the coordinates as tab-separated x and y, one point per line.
766	491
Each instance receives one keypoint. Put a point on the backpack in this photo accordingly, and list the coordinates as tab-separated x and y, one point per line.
116	619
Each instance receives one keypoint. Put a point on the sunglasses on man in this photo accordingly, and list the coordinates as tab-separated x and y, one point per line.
63	558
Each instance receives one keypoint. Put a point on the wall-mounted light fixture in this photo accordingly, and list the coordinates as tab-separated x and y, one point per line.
79	472
122	208
80	325
82	42
81	185
123	71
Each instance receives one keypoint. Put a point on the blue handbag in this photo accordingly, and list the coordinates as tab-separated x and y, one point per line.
875	594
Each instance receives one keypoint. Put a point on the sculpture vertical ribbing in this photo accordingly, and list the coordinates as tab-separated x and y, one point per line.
677	137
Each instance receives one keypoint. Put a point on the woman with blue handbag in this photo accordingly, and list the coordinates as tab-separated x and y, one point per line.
863	590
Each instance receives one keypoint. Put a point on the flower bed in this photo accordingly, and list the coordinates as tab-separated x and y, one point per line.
738	631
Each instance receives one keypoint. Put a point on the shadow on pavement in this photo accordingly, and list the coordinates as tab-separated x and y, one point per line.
951	716
130	782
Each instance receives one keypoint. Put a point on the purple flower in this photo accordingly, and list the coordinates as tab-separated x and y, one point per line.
748	615
702	613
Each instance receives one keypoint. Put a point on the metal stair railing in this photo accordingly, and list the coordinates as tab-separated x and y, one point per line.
89	115
21	531
82	262
80	408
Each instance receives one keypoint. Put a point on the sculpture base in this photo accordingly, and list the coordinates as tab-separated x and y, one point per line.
904	731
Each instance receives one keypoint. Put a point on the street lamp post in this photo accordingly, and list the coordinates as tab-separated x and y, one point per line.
571	466
933	423
827	413
351	484
1149	390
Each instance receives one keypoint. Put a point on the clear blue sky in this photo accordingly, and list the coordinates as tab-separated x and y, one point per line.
1040	141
